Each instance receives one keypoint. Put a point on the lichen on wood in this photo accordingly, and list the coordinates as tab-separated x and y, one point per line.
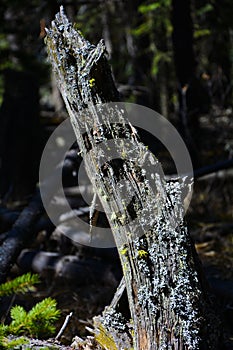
169	305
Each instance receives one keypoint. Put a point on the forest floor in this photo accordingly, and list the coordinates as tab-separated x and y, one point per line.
210	215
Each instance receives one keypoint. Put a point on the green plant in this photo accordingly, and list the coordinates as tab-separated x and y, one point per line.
21	284
38	322
156	23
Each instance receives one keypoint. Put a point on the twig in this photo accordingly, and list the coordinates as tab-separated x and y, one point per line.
118	294
68	317
3	319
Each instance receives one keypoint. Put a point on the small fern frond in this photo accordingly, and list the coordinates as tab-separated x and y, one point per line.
3	330
18	324
38	322
18	314
42	316
21	284
47	308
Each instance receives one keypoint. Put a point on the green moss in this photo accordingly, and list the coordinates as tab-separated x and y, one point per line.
105	339
124	251
142	254
92	82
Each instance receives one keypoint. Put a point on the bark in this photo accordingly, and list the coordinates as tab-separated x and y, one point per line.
169	305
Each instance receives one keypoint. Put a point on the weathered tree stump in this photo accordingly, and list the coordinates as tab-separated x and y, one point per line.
168	301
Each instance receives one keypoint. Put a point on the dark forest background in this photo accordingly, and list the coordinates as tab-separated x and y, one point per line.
174	56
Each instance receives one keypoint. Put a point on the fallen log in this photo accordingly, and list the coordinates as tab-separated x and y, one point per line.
69	268
168	298
213	168
19	235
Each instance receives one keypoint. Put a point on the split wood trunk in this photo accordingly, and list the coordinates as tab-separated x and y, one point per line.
169	305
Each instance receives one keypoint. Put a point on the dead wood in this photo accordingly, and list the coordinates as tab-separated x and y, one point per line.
20	234
168	299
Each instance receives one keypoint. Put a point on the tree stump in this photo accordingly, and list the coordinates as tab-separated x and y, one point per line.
168	300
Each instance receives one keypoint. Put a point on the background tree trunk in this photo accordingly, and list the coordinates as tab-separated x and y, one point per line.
19	136
192	95
183	41
168	301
